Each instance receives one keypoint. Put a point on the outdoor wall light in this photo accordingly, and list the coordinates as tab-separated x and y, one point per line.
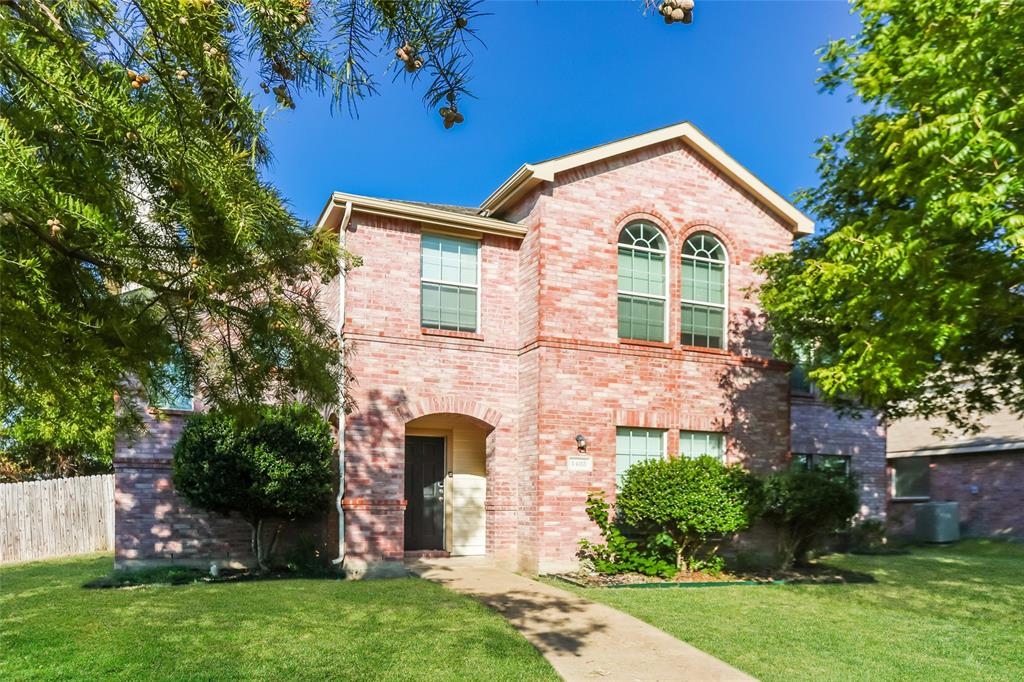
581	443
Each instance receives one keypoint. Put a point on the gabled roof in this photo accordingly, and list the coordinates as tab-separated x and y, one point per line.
531	174
487	218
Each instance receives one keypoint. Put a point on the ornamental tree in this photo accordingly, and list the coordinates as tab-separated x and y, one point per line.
681	502
276	466
913	302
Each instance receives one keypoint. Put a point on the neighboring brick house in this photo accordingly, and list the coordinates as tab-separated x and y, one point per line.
594	311
983	472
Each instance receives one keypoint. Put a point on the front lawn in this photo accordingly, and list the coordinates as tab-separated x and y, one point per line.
405	629
934	614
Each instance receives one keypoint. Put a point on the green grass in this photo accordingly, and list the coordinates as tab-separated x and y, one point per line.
935	614
404	629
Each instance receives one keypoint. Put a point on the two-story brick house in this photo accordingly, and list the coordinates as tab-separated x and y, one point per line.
594	311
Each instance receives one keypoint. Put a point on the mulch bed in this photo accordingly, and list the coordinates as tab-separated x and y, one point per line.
127	579
814	574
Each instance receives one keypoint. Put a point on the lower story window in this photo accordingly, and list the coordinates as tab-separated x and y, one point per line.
636	445
697	443
829	464
910	477
448	307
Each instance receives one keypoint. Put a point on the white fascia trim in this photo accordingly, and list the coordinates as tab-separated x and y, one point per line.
529	175
330	216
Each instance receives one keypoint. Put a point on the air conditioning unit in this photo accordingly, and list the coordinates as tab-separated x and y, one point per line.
937	521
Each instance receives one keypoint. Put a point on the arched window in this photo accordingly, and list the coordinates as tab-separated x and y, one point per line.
642	282
705	291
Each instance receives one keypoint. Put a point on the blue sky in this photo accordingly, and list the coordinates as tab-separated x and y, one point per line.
556	77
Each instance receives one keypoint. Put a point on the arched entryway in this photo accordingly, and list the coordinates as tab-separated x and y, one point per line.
446	484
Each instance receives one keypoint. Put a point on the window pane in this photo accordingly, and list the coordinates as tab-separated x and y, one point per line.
171	391
697	443
837	465
449	259
626	270
431	306
641	318
468	262
634	445
801	461
910	477
467	309
430	262
702	326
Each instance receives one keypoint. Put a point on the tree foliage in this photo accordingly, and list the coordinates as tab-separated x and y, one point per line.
135	219
681	502
278	466
914	302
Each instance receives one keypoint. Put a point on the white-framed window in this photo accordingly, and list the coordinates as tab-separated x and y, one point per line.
837	465
705	291
696	443
910	478
643	282
449	283
634	445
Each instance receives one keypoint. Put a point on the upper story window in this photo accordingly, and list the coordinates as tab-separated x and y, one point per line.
705	292
449	283
642	282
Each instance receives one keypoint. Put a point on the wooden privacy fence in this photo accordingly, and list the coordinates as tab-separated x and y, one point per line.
59	517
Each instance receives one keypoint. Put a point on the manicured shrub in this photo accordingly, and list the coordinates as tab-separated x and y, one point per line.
619	554
868	536
806	506
681	502
276	466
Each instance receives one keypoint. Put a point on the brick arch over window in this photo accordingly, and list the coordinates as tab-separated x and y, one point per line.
694	226
451	405
650	215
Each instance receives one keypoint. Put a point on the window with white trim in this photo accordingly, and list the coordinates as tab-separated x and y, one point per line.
449	283
910	477
705	292
696	443
633	445
642	282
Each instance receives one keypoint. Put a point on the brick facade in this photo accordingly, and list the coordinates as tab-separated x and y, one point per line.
547	364
989	488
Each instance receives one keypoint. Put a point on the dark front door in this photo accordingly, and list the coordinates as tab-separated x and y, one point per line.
424	492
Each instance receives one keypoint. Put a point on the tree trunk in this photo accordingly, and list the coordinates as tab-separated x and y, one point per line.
259	546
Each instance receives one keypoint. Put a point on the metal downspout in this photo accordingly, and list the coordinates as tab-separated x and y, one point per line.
339	330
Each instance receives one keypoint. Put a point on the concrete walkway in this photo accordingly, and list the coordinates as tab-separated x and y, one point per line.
580	639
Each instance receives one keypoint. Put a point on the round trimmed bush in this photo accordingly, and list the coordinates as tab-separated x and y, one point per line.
681	502
276	466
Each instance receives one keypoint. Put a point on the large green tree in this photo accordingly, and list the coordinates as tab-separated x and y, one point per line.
136	225
913	302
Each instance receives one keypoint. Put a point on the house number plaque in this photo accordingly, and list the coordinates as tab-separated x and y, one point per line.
580	463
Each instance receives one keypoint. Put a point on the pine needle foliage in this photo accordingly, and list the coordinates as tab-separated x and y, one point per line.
136	224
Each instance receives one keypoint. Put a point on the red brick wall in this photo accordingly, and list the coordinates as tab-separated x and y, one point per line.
151	522
817	429
994	508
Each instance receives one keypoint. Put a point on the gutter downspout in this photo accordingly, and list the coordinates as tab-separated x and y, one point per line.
340	330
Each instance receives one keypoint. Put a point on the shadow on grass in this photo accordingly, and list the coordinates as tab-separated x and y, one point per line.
187	575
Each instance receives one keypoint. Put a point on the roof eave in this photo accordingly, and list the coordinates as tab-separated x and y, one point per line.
330	217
